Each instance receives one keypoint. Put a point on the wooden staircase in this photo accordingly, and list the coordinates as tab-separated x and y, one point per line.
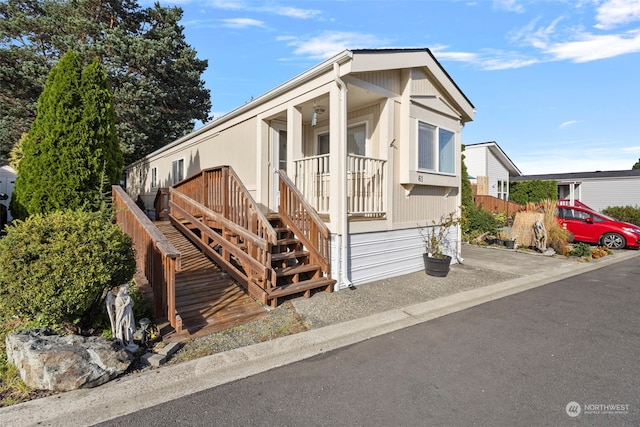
294	273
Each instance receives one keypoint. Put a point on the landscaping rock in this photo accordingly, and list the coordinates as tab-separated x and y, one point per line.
48	361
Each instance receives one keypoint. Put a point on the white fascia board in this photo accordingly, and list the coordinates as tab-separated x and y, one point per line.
420	58
310	74
503	158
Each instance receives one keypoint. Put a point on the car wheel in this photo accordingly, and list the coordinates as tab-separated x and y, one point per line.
613	241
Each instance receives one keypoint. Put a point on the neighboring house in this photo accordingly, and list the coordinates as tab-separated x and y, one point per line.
490	169
7	181
371	138
598	190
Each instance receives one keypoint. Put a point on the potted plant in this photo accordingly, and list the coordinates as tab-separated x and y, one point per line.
507	239
436	262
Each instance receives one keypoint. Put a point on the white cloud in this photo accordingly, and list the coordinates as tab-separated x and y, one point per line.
242	23
328	43
487	59
508	5
568	123
291	12
612	13
589	47
633	149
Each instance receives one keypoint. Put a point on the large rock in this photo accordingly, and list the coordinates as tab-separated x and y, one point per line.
48	361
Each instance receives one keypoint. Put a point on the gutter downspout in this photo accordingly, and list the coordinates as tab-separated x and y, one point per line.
344	259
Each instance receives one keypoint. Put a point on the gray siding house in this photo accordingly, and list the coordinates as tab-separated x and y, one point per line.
598	190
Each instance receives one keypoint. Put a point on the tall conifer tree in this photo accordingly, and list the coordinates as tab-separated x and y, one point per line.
72	143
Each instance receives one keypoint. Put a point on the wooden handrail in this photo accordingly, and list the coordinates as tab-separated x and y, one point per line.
211	215
159	203
305	222
156	257
219	189
253	253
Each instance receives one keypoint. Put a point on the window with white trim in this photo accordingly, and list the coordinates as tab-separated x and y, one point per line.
177	171
503	188
356	141
154	177
436	149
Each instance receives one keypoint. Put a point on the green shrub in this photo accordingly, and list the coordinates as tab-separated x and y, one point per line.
581	250
523	192
54	268
624	213
482	221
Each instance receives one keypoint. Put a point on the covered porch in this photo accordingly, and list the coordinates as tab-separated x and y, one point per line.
333	143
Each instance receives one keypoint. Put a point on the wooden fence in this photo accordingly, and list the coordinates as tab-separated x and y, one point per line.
496	205
156	257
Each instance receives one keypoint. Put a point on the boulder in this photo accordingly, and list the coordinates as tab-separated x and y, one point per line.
48	361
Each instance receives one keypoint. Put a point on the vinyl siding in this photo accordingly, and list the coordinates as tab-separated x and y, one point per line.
381	255
388	79
602	193
232	146
496	171
476	161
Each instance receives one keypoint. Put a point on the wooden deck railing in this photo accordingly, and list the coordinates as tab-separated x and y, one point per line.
312	178
161	204
244	255
220	190
156	257
301	217
366	183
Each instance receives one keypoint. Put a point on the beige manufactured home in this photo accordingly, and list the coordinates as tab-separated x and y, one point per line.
370	138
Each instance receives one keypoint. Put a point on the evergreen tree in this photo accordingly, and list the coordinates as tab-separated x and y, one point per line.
71	143
153	73
636	165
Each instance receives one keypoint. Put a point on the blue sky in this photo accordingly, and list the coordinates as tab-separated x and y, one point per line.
556	83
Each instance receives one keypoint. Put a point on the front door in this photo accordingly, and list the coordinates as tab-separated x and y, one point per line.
278	159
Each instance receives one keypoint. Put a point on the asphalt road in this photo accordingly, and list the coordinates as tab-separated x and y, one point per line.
520	360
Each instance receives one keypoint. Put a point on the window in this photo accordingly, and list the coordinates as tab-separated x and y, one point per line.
436	149
323	144
282	150
356	141
503	189
177	171
154	177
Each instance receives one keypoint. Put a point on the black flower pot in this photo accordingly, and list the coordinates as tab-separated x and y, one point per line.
510	244
437	267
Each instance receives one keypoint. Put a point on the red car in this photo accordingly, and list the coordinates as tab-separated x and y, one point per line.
592	227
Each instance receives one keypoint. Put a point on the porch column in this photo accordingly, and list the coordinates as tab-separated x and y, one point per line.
338	167
294	138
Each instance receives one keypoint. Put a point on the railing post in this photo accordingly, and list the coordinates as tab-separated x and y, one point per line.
225	192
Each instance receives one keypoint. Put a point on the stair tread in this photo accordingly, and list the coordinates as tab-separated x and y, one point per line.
288	255
287	271
289	242
293	288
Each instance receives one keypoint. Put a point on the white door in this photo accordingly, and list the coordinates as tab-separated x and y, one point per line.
278	159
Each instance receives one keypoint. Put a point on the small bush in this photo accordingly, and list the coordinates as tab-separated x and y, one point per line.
624	213
581	250
54	268
482	221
